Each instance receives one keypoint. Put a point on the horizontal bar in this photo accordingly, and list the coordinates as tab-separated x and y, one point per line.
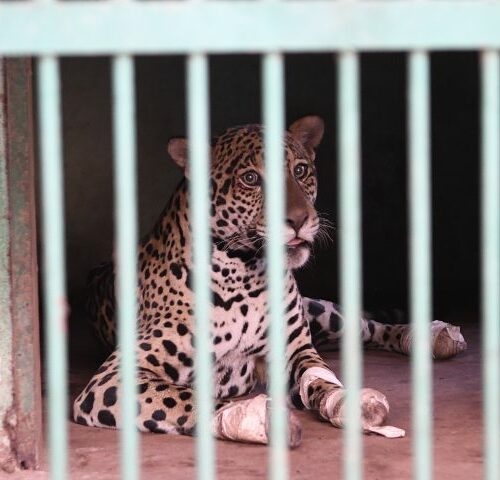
273	109
490	212
420	260
350	256
54	264
126	242
199	168
90	28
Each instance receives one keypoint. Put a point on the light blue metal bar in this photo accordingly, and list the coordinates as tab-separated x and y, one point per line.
273	114
199	168
126	257
225	26
54	265
350	256
420	261
490	213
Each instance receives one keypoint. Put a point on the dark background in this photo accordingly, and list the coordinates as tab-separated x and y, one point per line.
310	89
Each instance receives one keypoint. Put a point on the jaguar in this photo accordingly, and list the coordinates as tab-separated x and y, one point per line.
240	316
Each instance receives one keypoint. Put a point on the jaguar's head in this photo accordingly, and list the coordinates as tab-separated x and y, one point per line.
238	185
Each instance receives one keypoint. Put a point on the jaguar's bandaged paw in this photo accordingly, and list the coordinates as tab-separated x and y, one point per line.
374	411
248	421
447	341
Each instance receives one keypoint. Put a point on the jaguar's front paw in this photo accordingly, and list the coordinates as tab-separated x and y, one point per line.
248	421
374	411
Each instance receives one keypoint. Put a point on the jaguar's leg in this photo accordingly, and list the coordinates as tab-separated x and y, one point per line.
314	386
325	321
163	407
326	324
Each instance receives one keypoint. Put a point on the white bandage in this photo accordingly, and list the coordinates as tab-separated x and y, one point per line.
315	373
243	420
333	408
447	341
388	431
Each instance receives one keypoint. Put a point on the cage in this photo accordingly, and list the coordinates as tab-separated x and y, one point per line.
311	81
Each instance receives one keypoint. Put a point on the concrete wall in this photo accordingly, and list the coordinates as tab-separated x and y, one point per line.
311	88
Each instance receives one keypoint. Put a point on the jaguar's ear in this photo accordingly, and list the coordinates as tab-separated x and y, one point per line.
178	149
308	131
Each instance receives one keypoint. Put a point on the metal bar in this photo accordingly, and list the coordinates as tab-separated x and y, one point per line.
225	26
7	394
273	112
126	257
490	212
350	256
420	261
23	261
199	172
54	268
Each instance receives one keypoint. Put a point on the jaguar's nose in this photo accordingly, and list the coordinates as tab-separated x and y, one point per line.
296	220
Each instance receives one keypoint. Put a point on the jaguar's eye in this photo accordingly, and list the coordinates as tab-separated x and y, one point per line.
300	171
250	178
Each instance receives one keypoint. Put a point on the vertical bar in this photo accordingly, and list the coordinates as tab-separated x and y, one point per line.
199	168
54	268
273	109
7	397
350	256
126	256
420	261
490	212
24	307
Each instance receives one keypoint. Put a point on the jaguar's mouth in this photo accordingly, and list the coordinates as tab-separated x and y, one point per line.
296	247
298	251
295	242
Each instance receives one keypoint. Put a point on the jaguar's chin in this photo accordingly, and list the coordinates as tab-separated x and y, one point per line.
298	255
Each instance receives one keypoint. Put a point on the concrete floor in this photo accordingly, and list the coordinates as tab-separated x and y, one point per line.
457	432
